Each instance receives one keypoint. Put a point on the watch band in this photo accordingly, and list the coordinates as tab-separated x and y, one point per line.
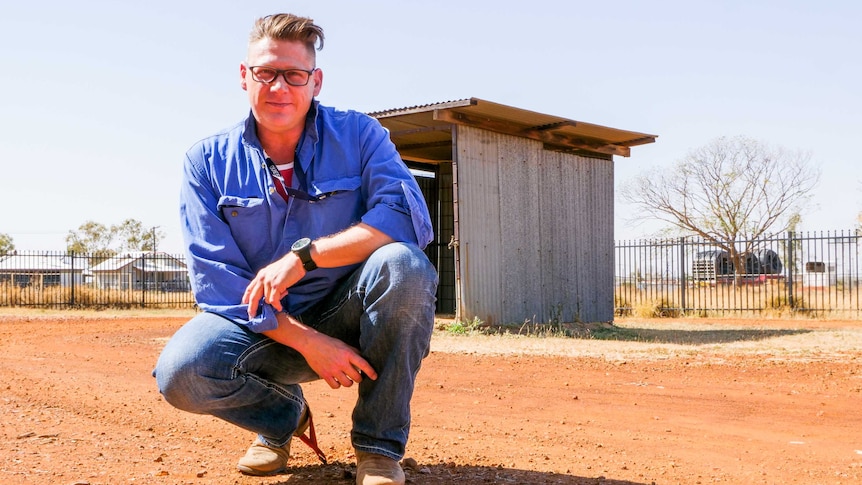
302	248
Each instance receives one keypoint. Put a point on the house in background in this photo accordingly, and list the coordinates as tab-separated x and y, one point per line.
40	269
141	270
522	205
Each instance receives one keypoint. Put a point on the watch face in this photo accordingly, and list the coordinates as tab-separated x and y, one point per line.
300	244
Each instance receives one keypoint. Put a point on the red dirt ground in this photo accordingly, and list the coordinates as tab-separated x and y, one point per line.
79	406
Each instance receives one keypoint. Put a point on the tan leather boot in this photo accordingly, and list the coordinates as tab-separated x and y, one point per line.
264	460
374	469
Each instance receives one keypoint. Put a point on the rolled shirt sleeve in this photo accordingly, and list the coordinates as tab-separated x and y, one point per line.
395	204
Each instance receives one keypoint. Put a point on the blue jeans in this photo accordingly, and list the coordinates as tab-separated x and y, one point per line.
385	309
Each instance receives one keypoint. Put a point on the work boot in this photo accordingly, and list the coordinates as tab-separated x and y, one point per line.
372	469
263	460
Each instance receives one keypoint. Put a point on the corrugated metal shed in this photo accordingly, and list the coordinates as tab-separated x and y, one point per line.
524	204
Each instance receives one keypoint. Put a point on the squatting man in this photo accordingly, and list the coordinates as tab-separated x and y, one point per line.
304	233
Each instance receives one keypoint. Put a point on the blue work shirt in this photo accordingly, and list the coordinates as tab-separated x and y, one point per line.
234	222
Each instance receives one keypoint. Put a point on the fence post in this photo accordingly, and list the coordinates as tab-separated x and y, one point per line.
72	276
789	267
682	280
143	280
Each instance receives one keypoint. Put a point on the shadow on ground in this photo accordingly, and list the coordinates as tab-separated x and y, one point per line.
689	337
608	331
344	474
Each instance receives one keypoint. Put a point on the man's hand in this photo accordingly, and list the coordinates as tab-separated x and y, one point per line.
272	282
334	361
350	246
337	363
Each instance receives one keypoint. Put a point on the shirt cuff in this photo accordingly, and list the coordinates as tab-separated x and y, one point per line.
265	321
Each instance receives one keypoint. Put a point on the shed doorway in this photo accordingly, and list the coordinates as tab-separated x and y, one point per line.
435	181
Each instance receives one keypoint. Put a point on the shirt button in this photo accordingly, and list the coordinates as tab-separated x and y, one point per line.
271	190
233	213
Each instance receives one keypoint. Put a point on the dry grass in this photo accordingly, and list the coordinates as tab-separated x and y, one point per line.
100	312
87	296
769	299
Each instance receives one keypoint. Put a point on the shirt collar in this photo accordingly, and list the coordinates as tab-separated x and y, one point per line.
307	142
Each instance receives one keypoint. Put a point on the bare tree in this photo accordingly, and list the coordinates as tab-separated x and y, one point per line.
731	191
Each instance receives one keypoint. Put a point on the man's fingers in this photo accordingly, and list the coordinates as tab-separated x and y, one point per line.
274	297
358	365
252	309
347	380
252	296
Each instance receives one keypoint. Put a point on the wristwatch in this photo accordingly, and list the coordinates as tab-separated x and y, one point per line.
302	248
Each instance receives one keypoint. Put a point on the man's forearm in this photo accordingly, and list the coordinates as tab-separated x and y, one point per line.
351	246
292	333
334	361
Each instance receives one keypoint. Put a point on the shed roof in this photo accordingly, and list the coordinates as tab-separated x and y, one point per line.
424	132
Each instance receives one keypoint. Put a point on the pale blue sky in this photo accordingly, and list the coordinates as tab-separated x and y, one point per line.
100	99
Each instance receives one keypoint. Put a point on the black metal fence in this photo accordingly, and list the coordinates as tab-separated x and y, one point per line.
63	280
816	273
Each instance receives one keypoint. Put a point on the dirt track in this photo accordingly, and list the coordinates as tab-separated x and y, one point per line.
79	406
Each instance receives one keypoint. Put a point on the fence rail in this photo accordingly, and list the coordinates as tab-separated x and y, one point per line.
816	273
64	280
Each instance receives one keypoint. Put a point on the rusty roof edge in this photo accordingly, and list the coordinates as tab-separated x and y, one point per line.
458	103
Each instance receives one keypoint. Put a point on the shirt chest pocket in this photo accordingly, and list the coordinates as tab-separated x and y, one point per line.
338	205
248	219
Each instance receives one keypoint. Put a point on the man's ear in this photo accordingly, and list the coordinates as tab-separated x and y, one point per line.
242	72
317	79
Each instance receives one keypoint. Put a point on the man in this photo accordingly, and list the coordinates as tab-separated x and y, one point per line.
304	232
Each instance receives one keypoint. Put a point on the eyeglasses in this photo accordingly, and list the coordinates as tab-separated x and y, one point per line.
268	75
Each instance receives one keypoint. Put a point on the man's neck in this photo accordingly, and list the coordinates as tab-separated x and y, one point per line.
280	147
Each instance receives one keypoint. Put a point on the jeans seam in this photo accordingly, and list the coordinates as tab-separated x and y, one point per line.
238	364
248	375
337	307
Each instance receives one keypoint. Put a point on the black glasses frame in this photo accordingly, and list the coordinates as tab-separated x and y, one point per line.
282	73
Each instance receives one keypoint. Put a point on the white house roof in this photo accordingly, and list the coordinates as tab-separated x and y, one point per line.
142	261
37	262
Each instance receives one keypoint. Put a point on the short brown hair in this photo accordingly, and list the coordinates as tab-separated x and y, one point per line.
286	26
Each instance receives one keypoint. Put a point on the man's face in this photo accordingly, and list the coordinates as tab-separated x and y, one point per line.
279	107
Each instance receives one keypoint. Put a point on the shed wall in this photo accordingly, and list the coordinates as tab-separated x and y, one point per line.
535	231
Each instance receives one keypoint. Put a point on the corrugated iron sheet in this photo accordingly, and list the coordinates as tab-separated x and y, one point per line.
536	231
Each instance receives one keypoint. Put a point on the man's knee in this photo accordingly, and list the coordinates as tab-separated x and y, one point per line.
402	287
403	264
176	377
184	371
